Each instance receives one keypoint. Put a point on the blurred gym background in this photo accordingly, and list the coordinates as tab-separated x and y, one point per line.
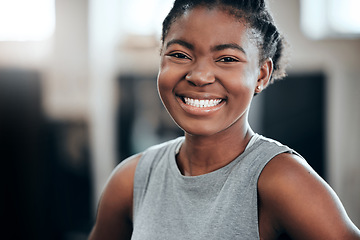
78	95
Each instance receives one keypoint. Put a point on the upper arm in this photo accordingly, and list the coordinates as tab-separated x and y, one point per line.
114	216
301	202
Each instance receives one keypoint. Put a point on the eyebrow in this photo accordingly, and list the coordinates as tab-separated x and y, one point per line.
227	46
213	49
180	42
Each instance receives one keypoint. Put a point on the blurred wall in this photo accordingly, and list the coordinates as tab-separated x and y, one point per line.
49	183
66	83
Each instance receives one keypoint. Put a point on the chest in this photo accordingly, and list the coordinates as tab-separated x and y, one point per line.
222	209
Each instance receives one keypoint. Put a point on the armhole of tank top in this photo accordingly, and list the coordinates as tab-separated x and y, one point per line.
137	182
279	150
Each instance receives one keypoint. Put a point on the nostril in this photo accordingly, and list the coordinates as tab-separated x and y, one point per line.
192	83
200	78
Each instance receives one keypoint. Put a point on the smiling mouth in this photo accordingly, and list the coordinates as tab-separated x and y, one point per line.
201	103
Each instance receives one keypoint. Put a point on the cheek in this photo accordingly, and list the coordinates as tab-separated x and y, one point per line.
161	80
165	83
240	81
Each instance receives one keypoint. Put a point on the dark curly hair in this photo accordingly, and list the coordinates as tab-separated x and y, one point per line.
256	13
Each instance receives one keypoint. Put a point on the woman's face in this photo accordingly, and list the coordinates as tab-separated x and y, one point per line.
209	72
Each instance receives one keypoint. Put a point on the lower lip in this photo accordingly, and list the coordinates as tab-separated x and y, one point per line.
198	111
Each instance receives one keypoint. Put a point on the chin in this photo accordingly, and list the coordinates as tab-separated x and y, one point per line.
200	130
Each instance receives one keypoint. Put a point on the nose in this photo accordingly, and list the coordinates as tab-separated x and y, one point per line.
201	74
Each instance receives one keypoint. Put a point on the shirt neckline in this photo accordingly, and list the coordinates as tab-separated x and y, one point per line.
214	174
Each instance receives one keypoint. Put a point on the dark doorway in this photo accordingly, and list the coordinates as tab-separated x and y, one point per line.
294	111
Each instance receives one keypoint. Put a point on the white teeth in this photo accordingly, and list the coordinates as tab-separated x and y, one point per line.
202	103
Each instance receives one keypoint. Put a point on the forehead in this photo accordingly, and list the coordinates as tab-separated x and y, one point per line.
205	26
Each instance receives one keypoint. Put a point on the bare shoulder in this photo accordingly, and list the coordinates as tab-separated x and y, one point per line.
120	183
124	171
301	202
114	216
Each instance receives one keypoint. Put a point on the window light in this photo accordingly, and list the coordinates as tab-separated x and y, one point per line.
330	18
26	20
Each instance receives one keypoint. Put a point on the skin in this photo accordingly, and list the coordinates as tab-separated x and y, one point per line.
210	55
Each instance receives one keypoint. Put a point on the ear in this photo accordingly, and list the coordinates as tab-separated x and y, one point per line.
264	75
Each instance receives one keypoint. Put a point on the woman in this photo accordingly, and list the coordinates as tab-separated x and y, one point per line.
221	180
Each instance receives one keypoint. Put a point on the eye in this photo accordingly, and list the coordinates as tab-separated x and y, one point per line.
179	55
228	59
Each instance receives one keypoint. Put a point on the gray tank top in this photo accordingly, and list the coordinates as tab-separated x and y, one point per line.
219	205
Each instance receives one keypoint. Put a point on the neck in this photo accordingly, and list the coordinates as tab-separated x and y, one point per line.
203	154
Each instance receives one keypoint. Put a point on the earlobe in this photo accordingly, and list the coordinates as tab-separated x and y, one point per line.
264	75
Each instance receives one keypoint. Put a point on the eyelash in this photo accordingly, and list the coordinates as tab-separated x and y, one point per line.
179	55
228	59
